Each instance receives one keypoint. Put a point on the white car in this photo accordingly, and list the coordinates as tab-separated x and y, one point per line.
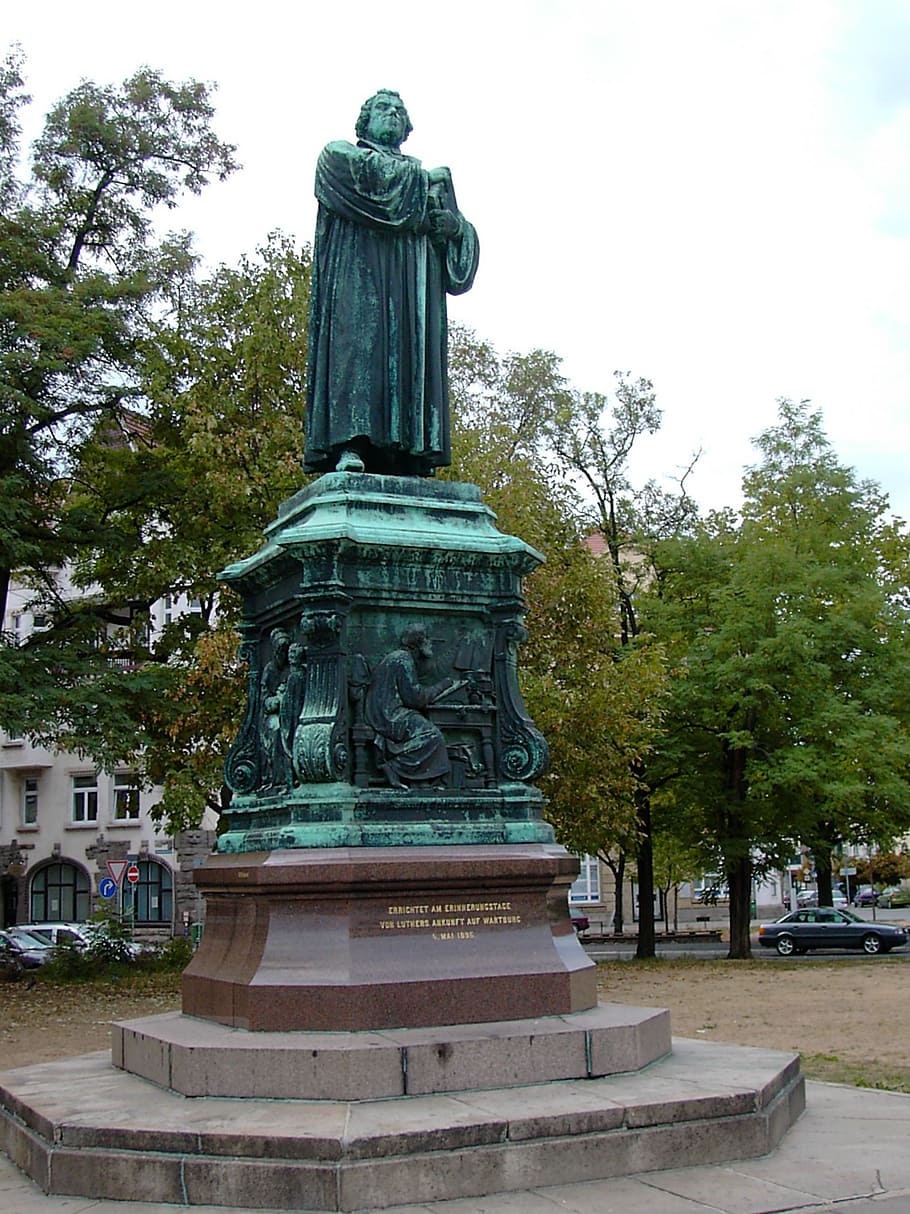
79	934
53	933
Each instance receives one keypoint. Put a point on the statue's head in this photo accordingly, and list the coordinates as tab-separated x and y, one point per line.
416	639
384	119
297	654
281	639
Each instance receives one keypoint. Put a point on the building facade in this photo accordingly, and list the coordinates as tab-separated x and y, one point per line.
62	820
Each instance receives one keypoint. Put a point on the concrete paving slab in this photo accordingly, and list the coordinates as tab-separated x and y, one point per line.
725	1189
620	1196
898	1203
854	1142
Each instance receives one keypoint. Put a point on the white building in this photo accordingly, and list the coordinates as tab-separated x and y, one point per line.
62	820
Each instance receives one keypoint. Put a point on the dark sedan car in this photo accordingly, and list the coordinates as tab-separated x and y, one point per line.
10	966
31	950
824	927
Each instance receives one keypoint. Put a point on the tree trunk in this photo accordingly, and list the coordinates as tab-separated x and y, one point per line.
822	856
646	940
618	869
739	880
4	592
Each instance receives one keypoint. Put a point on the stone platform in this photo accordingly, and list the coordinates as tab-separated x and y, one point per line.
197	1058
81	1127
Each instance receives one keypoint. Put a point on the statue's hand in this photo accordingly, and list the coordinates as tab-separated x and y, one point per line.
444	224
440	176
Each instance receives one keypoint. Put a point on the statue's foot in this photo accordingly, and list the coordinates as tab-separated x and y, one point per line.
393	777
349	461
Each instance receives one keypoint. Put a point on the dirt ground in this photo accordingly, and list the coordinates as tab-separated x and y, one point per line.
847	1017
41	1022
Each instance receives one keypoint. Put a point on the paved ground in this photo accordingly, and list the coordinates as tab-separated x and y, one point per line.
848	1154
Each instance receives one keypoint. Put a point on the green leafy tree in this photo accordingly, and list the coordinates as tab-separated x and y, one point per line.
81	275
168	499
788	714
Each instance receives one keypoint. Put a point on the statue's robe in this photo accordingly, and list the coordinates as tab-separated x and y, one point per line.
376	376
272	689
412	746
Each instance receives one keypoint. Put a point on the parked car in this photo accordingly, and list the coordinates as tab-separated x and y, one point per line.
893	897
32	951
79	934
712	894
580	922
54	933
866	895
11	967
825	927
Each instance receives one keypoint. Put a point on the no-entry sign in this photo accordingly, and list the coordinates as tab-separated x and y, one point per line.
132	874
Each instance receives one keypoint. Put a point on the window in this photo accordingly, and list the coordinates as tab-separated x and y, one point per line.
126	797
151	898
59	892
85	798
30	801
587	884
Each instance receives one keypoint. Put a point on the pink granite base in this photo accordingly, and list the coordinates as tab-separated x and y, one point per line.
358	939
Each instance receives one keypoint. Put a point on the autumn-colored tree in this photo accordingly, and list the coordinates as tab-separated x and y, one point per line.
597	701
593	439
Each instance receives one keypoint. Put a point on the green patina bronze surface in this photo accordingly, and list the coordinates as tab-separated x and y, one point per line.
381	625
383	616
390	244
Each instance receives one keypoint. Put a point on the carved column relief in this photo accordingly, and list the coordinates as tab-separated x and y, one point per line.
523	752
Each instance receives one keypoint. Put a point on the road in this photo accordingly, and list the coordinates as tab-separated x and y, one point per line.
606	950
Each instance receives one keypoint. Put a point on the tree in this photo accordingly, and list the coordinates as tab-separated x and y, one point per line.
788	714
889	869
593	442
80	278
167	500
597	701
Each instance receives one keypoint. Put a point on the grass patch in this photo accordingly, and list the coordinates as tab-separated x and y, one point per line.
828	1069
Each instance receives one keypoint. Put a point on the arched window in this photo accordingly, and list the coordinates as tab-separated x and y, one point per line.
59	894
152	895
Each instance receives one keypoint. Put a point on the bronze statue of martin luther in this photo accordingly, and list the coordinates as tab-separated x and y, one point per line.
391	243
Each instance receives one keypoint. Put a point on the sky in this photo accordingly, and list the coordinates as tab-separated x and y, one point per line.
711	194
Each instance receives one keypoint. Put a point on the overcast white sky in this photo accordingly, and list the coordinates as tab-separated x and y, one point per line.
709	193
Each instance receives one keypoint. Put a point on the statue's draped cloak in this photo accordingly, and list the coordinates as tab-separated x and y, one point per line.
377	337
413	746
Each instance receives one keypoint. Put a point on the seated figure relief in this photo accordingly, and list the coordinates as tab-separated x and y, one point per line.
412	750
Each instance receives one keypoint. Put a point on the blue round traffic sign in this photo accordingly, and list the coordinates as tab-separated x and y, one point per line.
107	887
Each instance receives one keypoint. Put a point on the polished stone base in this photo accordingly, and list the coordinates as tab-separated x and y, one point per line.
197	1058
360	939
81	1127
